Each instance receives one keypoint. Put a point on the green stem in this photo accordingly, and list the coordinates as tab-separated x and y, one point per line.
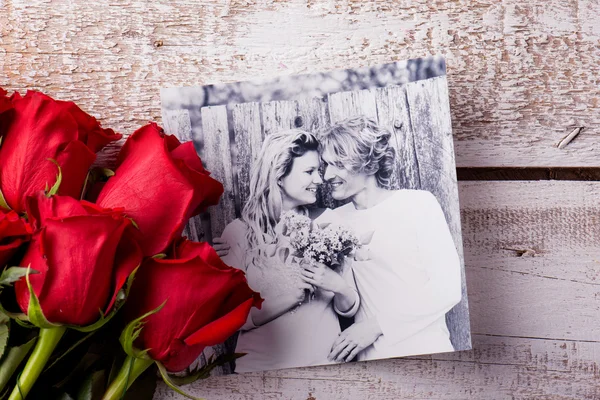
47	341
131	369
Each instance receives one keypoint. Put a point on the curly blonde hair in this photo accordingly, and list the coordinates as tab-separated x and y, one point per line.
360	145
262	211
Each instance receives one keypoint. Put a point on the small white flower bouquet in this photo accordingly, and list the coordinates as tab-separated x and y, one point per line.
324	243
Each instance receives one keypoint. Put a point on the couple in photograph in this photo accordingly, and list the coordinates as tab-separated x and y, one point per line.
398	285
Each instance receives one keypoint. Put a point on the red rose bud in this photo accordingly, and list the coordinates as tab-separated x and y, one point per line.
161	183
83	254
206	302
14	231
40	129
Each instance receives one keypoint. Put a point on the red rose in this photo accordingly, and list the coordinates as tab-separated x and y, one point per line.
5	103
83	254
161	183
206	302
39	129
14	231
90	132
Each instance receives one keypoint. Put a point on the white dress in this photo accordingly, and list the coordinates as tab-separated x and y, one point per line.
300	337
409	277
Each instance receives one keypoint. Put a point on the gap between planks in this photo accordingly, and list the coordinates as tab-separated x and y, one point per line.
529	174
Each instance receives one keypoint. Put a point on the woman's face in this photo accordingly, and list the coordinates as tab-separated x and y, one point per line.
344	183
299	187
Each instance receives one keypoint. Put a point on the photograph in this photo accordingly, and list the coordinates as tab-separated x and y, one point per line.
341	207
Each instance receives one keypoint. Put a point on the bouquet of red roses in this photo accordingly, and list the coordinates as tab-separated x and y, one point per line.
88	251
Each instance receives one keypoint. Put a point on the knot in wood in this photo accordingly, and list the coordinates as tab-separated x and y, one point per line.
158	43
298	122
397	124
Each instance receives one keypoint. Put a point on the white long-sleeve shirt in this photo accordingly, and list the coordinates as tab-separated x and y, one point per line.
408	276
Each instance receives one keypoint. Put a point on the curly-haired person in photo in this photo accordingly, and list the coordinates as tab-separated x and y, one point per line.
408	274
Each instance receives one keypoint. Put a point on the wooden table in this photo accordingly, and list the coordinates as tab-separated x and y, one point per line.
521	78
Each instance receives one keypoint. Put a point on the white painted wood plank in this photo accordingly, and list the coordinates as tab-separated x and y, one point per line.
535	327
547	229
521	75
248	137
278	116
392	113
216	157
350	104
499	368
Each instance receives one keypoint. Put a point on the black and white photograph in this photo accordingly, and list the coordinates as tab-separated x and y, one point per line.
340	205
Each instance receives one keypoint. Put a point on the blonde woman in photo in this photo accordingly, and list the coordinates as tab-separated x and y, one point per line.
293	328
408	276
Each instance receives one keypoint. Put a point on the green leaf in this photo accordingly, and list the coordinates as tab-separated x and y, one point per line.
114	369
171	384
204	372
34	311
67	351
92	387
159	256
93	176
84	364
14	357
88	178
64	396
132	331
103	320
56	186
23	323
3	202
13	274
4	331
19	318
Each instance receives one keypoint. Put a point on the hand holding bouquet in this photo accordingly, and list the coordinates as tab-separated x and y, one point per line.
327	244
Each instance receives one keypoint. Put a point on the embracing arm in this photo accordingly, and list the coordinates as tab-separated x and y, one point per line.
274	307
234	236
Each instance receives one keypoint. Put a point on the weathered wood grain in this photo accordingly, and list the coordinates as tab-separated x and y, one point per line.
499	368
344	104
278	116
534	316
521	75
217	159
392	113
312	114
248	139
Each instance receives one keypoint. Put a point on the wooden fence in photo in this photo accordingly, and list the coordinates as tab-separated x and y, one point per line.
417	114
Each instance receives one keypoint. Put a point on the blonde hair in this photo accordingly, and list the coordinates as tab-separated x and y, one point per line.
262	211
360	145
